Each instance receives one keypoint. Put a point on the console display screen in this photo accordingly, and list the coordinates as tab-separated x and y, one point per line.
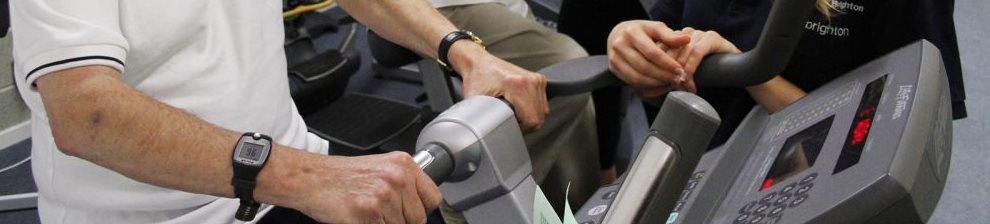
800	151
251	151
859	130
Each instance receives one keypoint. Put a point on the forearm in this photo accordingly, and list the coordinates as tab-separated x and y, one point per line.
411	23
776	94
96	117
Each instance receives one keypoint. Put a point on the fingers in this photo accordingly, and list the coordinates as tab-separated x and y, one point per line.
527	93
404	202
525	90
637	58
631	76
428	192
644	67
703	46
660	31
681	53
689	85
392	210
397	193
650	51
412	205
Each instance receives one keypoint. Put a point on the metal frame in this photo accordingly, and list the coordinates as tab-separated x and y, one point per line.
18	201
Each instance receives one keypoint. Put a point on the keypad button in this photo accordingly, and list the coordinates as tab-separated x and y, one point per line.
678	206
762	208
685	194
610	195
787	189
748	207
769	197
782	199
691	184
777	210
756	219
809	178
742	218
699	175
805	188
798	200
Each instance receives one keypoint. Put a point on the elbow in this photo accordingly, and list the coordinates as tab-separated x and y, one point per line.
76	102
71	134
75	125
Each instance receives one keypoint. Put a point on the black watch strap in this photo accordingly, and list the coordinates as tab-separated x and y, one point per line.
250	155
448	41
244	181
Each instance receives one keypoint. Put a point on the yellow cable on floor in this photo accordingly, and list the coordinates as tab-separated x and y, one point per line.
306	8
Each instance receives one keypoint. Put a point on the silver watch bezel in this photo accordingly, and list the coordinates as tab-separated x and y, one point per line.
266	149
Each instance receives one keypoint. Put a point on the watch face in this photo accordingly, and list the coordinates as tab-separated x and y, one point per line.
252	152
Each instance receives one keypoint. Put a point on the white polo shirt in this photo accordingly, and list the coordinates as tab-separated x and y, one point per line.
220	60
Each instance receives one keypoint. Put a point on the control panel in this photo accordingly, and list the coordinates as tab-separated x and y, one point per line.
868	146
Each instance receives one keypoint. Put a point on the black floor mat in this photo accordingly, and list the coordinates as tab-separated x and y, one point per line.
362	122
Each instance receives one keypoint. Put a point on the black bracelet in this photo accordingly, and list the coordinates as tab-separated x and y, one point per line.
448	41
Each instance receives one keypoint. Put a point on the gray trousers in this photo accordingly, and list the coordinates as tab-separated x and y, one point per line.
565	150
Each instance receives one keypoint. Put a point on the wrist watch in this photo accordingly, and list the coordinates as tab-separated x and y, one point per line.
448	41
250	156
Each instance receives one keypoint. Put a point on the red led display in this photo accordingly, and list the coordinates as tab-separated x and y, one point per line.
859	129
862	130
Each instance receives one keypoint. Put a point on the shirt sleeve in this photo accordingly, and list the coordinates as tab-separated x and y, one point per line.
53	35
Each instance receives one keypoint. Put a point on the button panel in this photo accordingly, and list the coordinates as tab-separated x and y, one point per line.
688	189
770	208
595	208
823	106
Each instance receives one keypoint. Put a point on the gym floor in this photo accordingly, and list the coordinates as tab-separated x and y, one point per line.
964	199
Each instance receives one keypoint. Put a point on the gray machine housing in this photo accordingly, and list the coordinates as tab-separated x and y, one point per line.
492	174
477	153
898	178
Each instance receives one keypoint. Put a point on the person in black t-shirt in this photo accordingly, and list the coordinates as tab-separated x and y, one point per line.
839	36
589	22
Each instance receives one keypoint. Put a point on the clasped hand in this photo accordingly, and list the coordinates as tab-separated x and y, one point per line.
655	59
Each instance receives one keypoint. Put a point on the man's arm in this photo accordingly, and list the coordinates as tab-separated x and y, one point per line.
96	117
416	25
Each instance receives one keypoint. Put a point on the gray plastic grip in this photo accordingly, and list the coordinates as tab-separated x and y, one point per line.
687	120
435	162
577	76
678	138
780	36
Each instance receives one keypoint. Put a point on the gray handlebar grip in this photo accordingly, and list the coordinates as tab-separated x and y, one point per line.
780	37
654	180
577	76
687	120
688	123
435	162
